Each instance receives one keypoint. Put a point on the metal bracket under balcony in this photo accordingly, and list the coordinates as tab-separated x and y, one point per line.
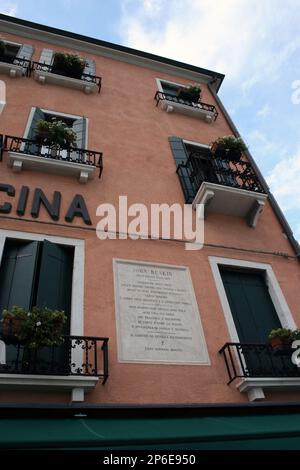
15	67
72	161
43	73
260	368
76	365
223	186
200	110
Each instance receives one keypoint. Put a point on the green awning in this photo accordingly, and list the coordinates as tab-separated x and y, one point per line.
227	432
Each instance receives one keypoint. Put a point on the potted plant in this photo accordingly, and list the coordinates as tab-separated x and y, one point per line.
228	147
55	133
281	338
35	328
189	93
70	65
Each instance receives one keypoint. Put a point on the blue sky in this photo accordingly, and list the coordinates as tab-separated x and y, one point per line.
255	43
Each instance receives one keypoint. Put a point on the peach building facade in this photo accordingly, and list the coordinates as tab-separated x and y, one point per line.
242	283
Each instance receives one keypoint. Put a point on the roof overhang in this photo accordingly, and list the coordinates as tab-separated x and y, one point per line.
30	30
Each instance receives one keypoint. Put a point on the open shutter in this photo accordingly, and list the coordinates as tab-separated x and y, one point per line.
89	69
79	127
178	150
25	52
17	274
180	156
46	56
37	116
55	281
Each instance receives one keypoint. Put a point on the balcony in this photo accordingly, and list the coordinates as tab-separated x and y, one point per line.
200	110
223	186
43	73
76	365
260	368
15	67
73	161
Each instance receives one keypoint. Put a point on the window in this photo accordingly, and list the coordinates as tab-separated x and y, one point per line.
36	273
11	51
78	124
71	73
174	97
15	58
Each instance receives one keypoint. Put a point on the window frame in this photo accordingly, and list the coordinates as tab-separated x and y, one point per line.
58	114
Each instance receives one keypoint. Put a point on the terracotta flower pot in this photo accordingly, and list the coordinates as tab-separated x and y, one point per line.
278	343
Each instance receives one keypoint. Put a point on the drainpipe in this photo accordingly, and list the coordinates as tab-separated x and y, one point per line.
284	223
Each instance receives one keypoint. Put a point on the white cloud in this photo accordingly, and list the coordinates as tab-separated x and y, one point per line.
8	8
284	182
264	110
252	40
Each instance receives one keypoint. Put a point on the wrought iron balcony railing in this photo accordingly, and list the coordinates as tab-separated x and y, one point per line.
86	77
77	355
257	360
203	166
24	63
160	96
55	152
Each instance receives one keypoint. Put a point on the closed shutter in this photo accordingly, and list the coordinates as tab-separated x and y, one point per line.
54	291
55	279
89	69
46	56
17	274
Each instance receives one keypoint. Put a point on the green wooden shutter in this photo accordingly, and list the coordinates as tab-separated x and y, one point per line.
55	280
180	156
178	150
37	116
252	308
17	274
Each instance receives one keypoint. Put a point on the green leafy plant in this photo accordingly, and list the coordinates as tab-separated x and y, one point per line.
280	333
230	142
35	328
189	92
55	132
194	89
68	64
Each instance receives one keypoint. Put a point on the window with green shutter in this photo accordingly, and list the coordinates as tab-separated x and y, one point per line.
36	273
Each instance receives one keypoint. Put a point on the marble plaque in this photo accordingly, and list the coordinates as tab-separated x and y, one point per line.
157	314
